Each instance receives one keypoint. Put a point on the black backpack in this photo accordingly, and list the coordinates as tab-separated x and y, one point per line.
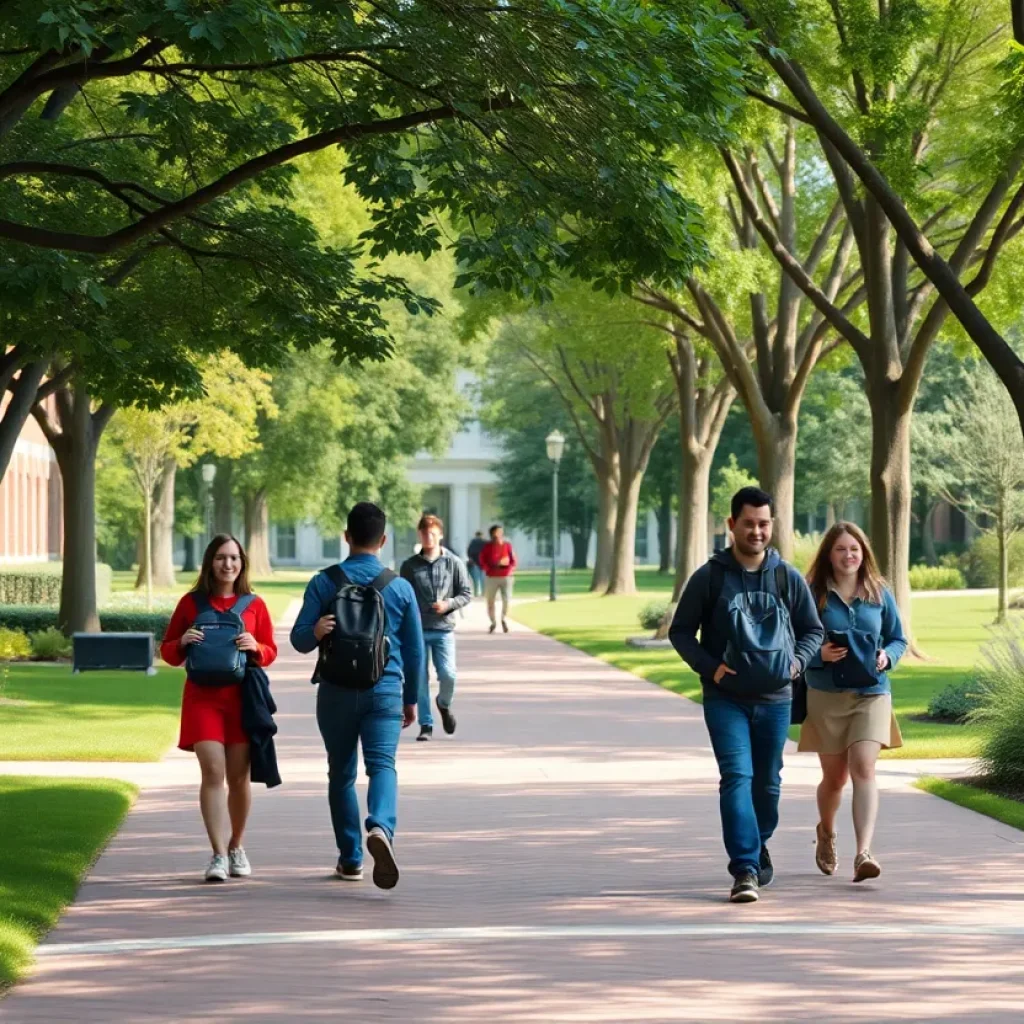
355	653
217	661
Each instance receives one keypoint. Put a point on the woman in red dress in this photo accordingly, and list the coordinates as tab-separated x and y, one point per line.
211	716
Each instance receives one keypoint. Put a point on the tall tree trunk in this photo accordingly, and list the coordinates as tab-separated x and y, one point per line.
891	492
161	533
665	530
75	448
931	555
776	461
257	533
189	565
18	410
607	511
223	499
831	516
623	567
580	547
1004	563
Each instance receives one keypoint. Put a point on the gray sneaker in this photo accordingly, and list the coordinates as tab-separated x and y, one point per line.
238	863
217	870
385	867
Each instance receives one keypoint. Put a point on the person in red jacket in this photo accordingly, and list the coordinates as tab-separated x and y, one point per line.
498	561
211	716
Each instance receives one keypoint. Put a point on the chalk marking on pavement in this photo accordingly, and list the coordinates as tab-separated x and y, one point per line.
514	933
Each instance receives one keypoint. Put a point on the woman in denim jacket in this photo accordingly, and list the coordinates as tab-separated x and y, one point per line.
849	703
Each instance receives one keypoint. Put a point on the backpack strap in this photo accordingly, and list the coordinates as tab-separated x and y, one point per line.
383	580
782	584
337	576
242	603
202	602
716	583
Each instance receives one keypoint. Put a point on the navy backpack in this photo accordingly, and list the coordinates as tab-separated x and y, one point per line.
217	661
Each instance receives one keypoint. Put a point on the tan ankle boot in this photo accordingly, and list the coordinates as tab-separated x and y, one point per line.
825	851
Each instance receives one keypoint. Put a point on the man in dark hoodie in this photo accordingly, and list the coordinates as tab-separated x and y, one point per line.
441	584
758	631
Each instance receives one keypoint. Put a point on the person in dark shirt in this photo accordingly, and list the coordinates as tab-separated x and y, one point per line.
476	545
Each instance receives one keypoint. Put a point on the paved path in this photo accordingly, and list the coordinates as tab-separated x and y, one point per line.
561	863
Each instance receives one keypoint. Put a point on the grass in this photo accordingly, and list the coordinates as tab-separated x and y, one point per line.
53	831
1009	812
48	714
950	630
576	582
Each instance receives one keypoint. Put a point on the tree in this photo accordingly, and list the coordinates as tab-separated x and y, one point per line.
731	478
982	461
893	95
611	372
660	492
521	410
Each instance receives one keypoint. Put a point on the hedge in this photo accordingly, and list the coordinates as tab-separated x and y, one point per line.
40	584
936	577
35	618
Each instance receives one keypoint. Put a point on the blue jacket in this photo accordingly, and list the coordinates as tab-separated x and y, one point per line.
704	656
402	672
882	620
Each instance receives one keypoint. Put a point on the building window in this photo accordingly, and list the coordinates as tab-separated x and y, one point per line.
640	547
543	545
331	549
286	542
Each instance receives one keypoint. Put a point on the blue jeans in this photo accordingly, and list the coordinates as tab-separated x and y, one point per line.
439	645
346	718
476	574
748	740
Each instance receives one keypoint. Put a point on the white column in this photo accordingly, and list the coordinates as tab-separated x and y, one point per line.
460	529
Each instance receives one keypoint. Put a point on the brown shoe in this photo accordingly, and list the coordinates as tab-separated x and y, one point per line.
865	866
825	851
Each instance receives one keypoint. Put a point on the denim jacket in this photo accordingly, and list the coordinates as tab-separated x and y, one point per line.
883	620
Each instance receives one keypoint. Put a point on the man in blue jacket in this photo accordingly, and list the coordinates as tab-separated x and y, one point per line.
374	716
758	631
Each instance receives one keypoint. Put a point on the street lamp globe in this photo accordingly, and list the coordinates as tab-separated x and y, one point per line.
209	471
555	442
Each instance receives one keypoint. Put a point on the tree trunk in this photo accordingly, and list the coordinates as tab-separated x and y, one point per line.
189	565
75	449
147	548
1004	563
830	516
776	462
580	548
257	534
665	531
223	499
606	515
18	410
891	492
623	567
931	556
161	533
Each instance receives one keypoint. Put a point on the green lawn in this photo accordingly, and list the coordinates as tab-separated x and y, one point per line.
48	714
537	582
1010	812
950	630
53	830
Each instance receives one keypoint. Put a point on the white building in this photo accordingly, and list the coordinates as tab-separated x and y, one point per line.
461	488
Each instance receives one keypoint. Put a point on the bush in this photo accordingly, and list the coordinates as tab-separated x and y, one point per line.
14	645
956	702
1001	710
981	561
936	577
805	547
652	613
37	618
50	644
40	584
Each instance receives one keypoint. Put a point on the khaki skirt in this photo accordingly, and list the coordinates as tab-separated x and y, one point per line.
835	721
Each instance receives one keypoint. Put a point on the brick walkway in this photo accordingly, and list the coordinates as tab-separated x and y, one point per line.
561	862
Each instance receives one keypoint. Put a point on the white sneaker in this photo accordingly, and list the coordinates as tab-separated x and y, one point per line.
217	871
239	863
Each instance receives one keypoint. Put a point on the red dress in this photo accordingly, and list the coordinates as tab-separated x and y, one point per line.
215	712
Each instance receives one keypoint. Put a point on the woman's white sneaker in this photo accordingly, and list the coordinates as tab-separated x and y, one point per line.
217	871
238	863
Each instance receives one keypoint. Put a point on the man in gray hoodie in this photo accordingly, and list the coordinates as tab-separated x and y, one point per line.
442	586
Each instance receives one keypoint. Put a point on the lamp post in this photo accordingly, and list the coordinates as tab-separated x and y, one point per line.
209	471
555	442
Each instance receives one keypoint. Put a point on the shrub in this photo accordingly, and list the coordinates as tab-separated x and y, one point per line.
981	561
936	577
50	644
40	584
652	613
956	702
36	618
14	645
1001	711
805	547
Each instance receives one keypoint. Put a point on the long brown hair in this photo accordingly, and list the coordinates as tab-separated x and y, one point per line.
820	571
206	583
